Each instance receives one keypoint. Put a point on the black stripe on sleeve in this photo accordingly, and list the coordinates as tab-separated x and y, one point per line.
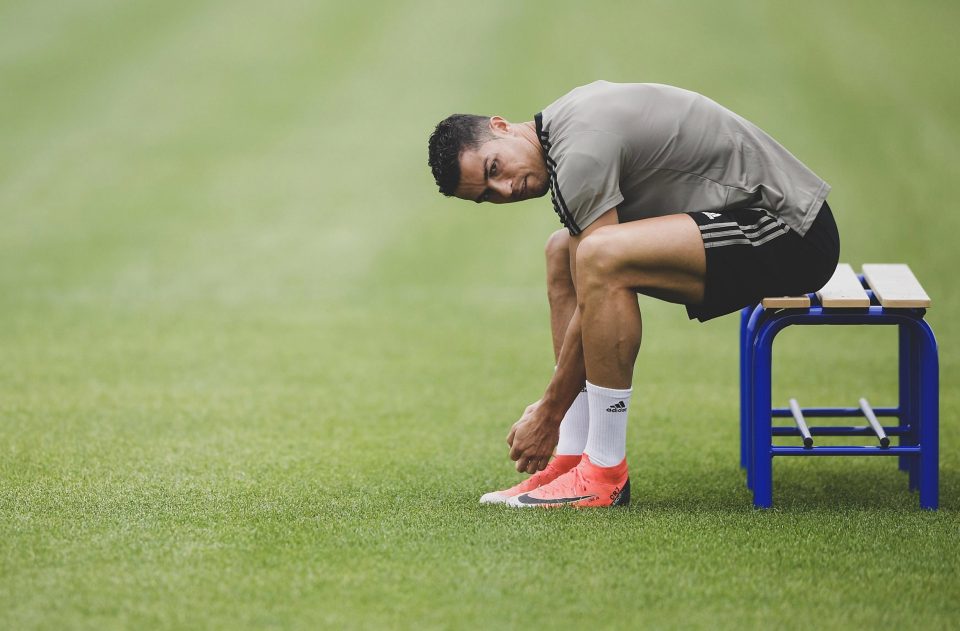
559	205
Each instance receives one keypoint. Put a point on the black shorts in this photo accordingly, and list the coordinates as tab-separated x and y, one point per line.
752	255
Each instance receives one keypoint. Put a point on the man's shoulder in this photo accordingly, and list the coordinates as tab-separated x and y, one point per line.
575	110
624	109
587	150
601	102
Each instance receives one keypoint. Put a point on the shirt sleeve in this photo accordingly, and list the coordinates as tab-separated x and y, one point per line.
589	176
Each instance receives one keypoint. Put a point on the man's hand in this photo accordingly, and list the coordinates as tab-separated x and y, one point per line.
533	438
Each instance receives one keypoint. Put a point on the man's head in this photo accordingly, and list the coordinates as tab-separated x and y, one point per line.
487	159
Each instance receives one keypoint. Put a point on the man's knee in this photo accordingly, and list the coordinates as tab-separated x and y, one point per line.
558	246
598	258
557	252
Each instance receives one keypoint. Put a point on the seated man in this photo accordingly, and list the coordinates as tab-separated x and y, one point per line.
663	192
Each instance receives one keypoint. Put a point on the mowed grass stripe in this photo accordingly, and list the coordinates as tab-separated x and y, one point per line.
238	160
94	55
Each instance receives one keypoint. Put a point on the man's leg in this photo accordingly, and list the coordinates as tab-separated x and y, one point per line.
561	293
562	297
662	257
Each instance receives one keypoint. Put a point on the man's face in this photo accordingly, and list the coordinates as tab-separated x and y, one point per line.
508	168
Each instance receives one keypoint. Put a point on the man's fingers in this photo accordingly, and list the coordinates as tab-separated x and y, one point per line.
513	431
527	463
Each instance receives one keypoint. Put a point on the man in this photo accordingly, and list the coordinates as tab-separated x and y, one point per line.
663	192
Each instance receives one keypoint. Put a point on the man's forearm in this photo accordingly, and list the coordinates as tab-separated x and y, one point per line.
570	375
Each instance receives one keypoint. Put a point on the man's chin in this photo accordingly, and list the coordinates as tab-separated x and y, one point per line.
540	191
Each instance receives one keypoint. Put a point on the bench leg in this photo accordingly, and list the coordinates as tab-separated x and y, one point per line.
761	467
929	418
744	385
906	414
754	323
909	365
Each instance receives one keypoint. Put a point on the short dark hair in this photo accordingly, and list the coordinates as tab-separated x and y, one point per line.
453	135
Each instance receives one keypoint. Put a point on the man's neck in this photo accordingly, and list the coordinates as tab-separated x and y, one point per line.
528	131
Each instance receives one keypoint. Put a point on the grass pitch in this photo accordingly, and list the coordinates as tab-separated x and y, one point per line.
256	372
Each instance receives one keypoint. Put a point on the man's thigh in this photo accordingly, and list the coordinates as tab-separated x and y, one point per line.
661	257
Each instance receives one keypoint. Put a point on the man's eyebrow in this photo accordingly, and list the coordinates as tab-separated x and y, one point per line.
485	176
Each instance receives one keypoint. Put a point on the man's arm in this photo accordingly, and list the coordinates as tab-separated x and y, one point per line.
533	438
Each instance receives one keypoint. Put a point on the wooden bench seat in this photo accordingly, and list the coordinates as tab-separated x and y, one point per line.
843	290
895	287
787	302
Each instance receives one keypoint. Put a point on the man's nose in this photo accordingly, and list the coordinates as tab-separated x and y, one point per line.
505	188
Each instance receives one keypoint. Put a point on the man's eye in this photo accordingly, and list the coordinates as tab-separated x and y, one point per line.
493	168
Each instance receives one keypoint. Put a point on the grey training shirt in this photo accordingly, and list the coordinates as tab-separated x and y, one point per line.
653	150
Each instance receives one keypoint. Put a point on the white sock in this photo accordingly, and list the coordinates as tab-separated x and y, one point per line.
607	438
574	427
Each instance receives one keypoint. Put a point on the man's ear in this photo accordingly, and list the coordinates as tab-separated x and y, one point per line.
499	125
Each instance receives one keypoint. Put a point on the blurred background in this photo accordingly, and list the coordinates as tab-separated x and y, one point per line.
227	278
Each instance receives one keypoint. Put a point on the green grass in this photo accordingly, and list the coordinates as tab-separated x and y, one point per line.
256	372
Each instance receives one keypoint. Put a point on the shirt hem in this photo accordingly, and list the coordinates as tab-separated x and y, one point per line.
607	204
814	208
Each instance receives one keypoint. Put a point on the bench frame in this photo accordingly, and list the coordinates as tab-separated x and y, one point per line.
917	410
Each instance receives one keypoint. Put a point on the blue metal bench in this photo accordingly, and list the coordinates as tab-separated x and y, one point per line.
890	296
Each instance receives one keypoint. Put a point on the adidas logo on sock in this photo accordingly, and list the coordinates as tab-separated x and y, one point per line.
619	406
